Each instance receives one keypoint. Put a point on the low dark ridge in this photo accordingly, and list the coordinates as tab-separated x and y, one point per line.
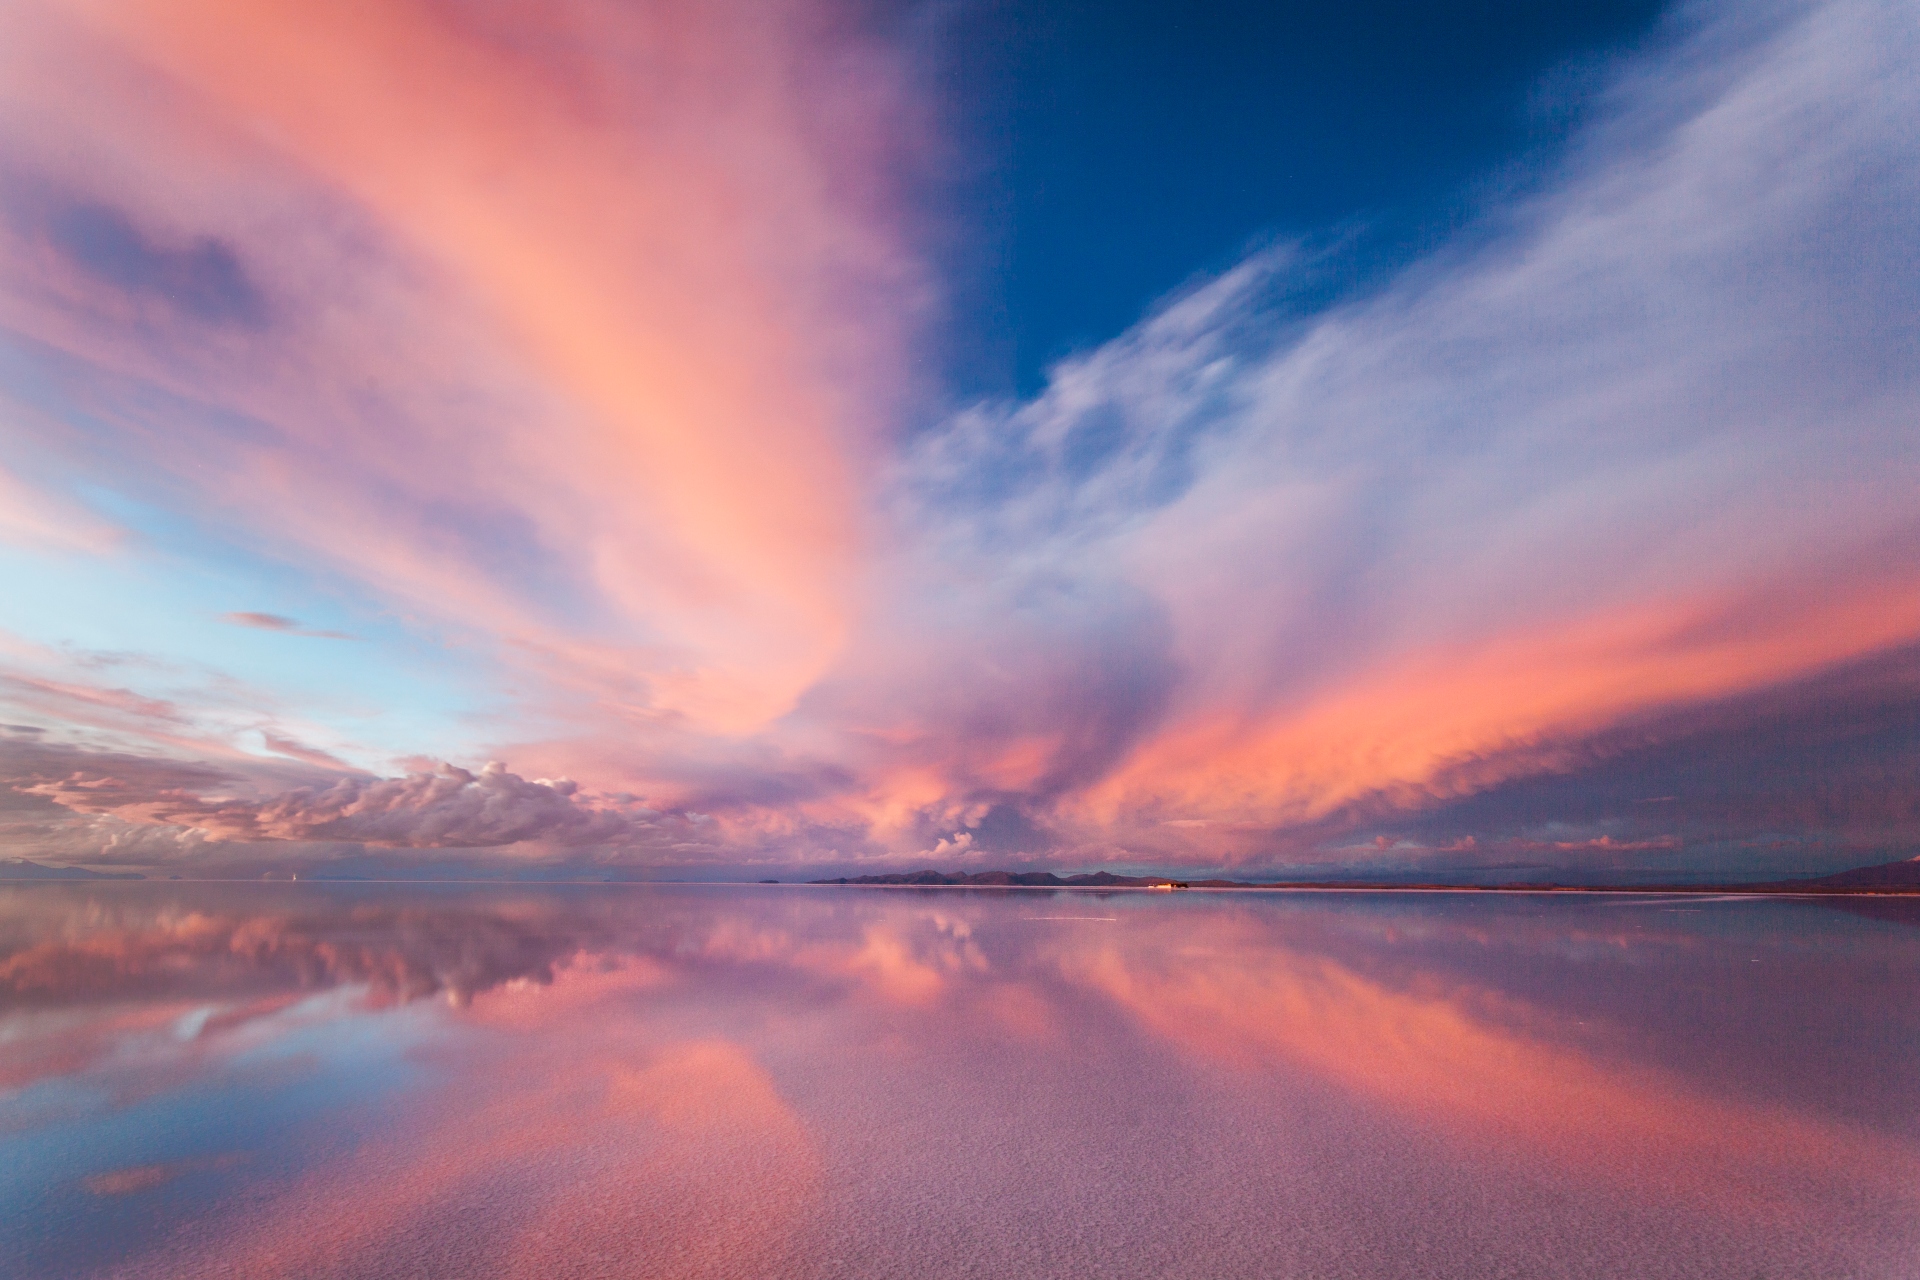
1038	880
1885	878
21	869
1885	875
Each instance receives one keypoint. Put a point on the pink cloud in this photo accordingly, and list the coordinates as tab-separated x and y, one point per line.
293	749
276	622
449	808
663	310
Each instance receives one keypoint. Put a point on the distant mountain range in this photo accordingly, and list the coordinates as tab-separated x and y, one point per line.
21	869
1039	880
1887	877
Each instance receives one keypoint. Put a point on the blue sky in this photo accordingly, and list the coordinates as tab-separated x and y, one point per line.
1121	151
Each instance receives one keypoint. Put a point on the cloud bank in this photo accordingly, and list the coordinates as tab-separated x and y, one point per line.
445	807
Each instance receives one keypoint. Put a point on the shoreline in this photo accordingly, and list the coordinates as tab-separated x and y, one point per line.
1678	891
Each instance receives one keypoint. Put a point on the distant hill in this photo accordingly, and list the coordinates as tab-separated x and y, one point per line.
21	869
1886	878
1037	880
1886	875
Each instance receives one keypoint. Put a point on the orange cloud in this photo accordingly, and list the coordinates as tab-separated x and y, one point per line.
664	222
1446	720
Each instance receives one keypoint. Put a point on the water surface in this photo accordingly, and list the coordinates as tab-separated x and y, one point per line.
380	1080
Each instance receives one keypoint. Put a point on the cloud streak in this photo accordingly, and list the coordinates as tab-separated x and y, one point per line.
285	625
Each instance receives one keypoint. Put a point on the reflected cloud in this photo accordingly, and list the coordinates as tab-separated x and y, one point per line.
679	1078
603	1150
1491	1071
121	1182
86	955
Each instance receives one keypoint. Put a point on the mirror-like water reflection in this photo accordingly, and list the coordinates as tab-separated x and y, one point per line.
387	1080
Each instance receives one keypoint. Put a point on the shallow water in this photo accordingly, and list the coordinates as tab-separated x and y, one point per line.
380	1080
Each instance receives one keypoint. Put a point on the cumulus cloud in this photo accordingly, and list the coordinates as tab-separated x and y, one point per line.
444	808
957	845
448	808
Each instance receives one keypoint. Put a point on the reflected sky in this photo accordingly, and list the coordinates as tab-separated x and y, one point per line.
374	1080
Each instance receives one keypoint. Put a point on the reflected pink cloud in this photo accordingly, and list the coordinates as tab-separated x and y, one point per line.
678	1157
52	1048
122	1182
903	966
699	1080
1490	1072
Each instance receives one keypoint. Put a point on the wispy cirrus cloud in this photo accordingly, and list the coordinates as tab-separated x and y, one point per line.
619	345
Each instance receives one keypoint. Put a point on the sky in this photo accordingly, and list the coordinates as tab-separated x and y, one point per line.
744	441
